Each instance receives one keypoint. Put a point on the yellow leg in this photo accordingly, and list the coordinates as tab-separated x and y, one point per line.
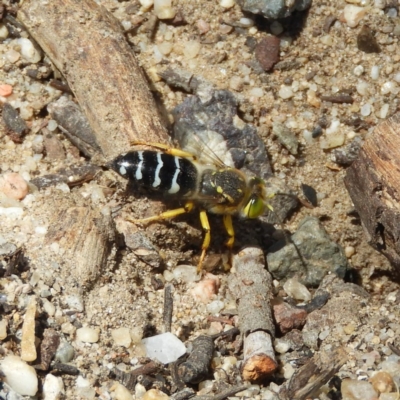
168	150
167	214
229	229
207	237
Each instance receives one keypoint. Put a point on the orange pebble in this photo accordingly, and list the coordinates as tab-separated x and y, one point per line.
5	90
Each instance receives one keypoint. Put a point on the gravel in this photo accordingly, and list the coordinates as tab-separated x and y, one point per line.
318	57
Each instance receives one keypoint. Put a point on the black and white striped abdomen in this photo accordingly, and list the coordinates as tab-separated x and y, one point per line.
158	171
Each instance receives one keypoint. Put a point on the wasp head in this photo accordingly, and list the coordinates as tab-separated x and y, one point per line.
257	201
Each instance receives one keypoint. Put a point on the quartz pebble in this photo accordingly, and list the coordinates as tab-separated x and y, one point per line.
28	348
3	329
3	32
296	290
28	51
84	389
191	49
382	382
353	389
121	392
353	15
20	376
121	337
155	394
87	335
227	3
13	185
163	9
165	348
146	4
185	273
52	388
285	92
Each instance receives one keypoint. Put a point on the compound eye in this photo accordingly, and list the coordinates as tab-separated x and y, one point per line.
254	208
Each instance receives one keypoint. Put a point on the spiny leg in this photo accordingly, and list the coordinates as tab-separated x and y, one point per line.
207	237
167	149
167	214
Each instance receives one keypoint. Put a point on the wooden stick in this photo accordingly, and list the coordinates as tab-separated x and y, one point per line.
86	43
251	284
373	184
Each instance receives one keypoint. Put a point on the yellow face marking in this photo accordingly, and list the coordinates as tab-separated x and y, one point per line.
220	190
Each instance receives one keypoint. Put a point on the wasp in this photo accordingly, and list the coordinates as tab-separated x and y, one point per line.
206	183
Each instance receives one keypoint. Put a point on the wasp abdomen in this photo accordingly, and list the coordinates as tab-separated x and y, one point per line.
158	171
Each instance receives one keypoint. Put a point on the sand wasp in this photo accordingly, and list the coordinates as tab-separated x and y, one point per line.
204	182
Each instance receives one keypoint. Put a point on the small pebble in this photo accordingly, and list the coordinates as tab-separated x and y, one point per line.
353	389
163	9
382	382
281	346
5	90
215	306
3	32
366	41
203	26
65	353
296	290
87	335
276	28
52	125
285	92
19	375
236	83
121	392
121	337
206	288
267	52
165	348
185	273
28	51
191	49
227	3
3	329
13	185
155	394
349	251
53	387
353	15
146	4
374	72
366	110
28	348
383	112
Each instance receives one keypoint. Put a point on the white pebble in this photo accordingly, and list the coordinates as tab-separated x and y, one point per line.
362	88
3	329
357	390
285	92
48	307
28	50
19	375
121	337
381	4
296	290
358	71
389	87
397	77
288	371
3	32
256	92
146	4
87	335
365	110
165	348
52	125
165	48
333	127
246	22
349	251
227	3
163	9
155	394
191	49
121	392
185	273
375	72
215	306
53	387
13	185
383	112
281	346
353	15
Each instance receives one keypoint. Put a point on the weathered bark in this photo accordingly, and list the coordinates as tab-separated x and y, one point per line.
373	184
86	237
251	284
87	45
